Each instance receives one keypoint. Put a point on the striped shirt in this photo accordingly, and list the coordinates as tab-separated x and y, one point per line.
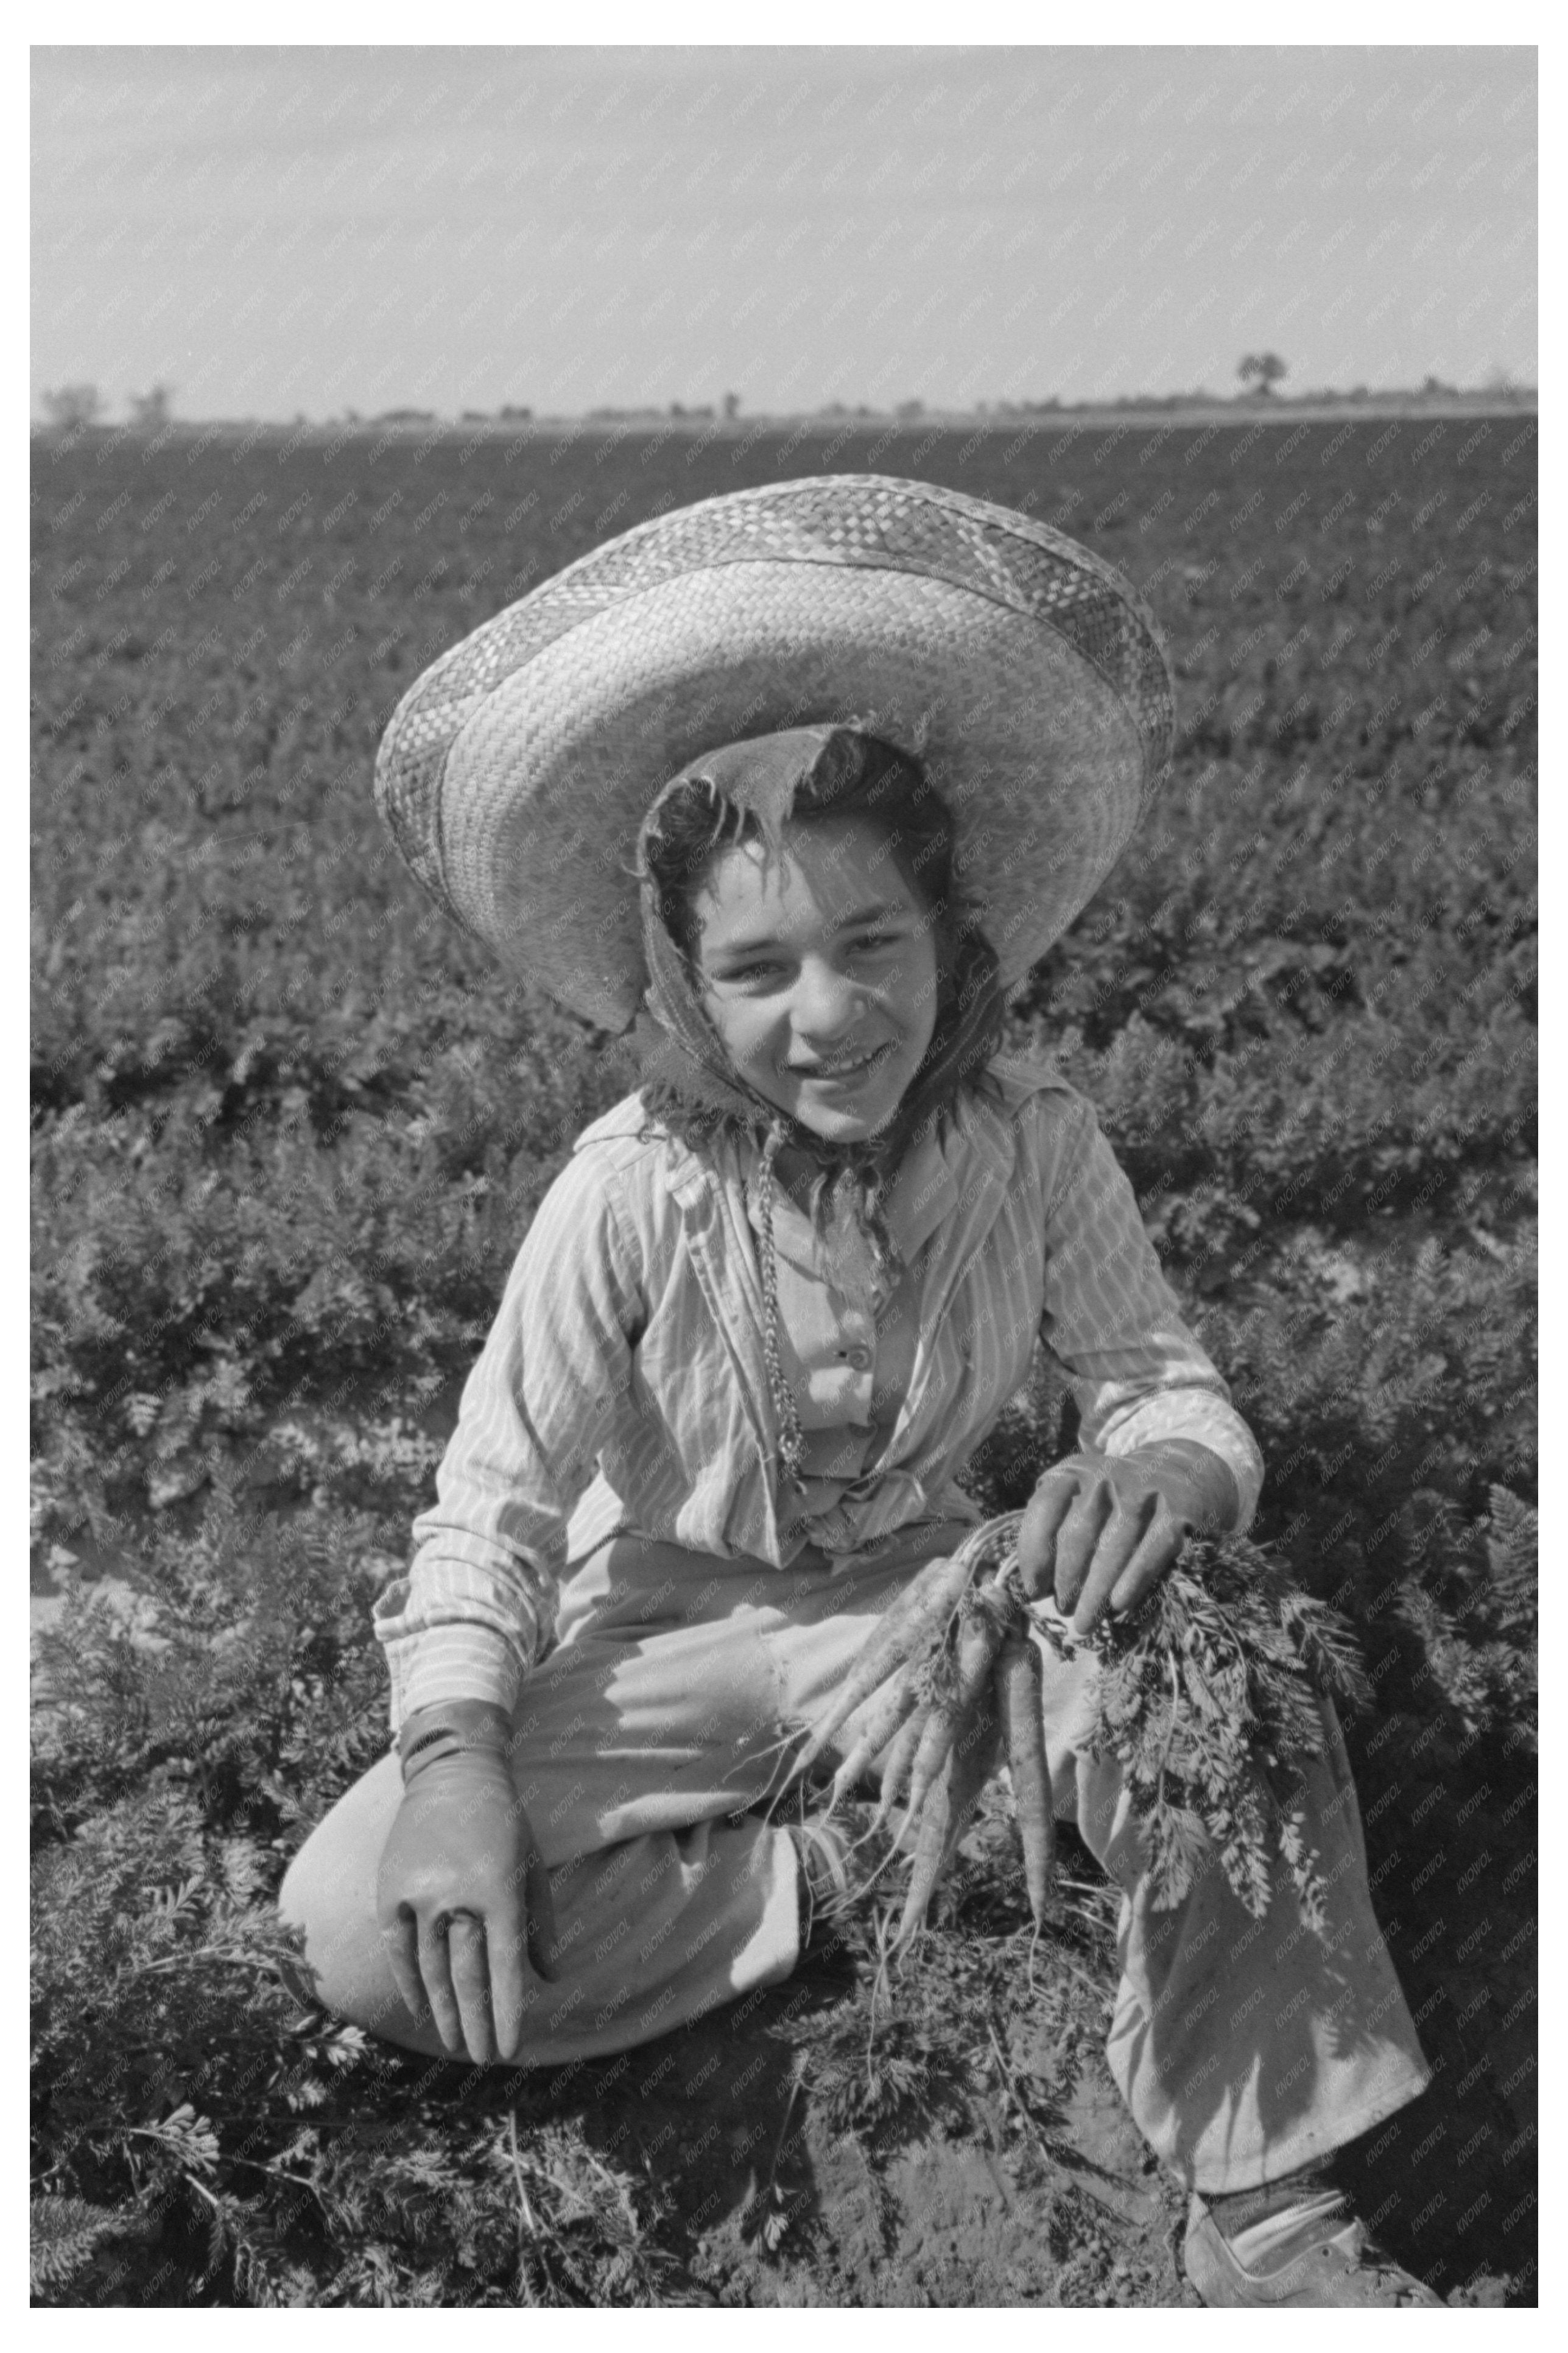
623	1384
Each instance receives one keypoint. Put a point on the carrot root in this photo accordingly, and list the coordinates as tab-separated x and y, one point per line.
929	1849
975	1759
930	1761
885	1722
1018	1695
980	1639
947	1810
896	1771
902	1629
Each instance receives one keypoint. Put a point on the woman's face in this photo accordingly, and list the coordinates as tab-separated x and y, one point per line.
818	972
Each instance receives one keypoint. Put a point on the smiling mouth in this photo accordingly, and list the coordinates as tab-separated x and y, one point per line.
829	1071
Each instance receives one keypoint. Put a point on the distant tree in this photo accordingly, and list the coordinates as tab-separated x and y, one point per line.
72	407
911	409
517	415
1266	367
150	410
731	406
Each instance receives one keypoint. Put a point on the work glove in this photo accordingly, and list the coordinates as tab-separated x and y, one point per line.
1101	1530
462	1891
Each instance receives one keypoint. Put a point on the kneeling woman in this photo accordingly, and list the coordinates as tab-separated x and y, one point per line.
776	1300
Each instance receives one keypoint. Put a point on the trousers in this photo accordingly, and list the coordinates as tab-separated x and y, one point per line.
1243	2047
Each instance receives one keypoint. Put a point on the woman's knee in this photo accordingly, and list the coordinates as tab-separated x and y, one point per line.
329	1894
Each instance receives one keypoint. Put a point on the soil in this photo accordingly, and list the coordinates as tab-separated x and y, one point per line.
1013	2175
1028	2186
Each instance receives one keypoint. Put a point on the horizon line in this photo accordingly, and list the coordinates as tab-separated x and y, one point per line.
904	417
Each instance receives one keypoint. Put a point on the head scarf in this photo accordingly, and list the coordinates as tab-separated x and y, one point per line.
687	1078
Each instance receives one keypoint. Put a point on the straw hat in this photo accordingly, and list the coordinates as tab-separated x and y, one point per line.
1022	671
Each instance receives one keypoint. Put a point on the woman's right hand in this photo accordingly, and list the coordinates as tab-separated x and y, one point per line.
462	1896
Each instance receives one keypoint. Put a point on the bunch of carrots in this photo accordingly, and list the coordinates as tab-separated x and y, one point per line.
1209	1696
956	1679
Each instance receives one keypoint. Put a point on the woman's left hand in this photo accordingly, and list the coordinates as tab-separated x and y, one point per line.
1103	1529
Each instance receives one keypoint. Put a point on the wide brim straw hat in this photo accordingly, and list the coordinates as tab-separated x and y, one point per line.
1021	670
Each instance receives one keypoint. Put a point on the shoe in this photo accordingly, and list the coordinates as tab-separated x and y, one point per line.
1325	2260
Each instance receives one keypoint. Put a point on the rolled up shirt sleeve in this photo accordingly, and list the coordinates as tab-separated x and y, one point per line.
1111	1320
478	1600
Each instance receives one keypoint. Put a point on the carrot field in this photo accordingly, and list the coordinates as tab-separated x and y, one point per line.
288	1131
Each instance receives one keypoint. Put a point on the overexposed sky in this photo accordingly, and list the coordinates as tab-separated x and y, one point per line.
277	230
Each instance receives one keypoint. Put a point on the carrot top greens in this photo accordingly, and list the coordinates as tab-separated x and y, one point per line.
1208	1699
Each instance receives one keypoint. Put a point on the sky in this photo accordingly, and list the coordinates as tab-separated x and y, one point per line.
271	232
